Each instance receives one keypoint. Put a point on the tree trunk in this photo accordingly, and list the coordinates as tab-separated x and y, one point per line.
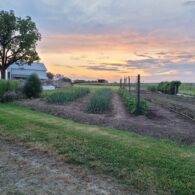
3	73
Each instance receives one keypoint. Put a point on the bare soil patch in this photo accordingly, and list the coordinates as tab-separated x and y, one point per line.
27	171
161	122
183	105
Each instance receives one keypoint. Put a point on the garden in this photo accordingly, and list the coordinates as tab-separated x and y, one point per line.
109	108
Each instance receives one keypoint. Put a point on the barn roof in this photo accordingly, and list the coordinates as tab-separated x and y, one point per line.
33	66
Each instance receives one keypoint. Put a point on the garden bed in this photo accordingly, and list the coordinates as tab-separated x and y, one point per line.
161	124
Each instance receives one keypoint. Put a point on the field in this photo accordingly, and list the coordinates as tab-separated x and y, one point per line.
95	87
145	164
152	153
188	89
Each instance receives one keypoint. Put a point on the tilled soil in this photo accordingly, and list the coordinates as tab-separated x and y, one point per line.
183	105
161	123
28	171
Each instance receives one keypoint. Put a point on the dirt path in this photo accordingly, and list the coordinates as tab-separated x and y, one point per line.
26	171
161	124
118	107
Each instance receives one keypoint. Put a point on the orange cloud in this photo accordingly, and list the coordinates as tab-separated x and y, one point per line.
77	55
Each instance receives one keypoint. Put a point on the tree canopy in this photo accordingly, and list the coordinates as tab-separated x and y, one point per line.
18	40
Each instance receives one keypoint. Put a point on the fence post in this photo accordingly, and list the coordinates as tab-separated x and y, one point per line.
129	84
138	95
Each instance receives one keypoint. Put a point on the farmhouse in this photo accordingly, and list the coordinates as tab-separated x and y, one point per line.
16	71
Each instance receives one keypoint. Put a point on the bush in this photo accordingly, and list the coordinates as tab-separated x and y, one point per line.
100	101
169	87
67	96
7	86
130	103
9	96
152	88
32	87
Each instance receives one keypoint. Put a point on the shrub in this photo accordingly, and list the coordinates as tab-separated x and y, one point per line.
100	101
67	96
130	103
152	88
7	86
32	87
169	87
9	96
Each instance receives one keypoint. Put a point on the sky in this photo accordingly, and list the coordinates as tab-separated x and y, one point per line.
110	39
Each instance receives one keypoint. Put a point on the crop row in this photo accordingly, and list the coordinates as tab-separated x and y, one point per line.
67	95
130	103
100	101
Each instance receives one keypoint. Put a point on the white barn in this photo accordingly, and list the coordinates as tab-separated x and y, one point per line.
16	71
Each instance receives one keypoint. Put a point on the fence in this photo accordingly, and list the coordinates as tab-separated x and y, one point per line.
126	83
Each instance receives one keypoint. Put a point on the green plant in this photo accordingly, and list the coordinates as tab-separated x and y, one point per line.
152	88
169	87
100	101
7	86
9	96
130	102
67	95
32	87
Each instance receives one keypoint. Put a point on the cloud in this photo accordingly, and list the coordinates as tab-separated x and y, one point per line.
102	16
189	3
132	36
143	55
98	68
186	56
63	65
169	65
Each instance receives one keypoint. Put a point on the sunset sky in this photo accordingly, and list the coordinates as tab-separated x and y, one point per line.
91	39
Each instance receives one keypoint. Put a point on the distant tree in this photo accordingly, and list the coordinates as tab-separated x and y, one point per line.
66	79
18	40
50	75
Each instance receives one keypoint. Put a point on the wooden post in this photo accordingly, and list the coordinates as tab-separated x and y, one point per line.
125	82
175	90
129	84
138	95
121	84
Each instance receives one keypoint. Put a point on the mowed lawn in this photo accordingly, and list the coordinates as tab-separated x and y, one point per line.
141	163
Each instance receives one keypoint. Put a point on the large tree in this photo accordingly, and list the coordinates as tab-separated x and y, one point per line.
18	40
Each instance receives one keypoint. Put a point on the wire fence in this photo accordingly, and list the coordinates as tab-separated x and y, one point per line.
133	85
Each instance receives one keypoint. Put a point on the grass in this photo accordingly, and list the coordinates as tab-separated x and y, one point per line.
188	89
94	87
67	95
144	164
100	101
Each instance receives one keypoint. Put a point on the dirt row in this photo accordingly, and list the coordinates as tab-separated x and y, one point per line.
161	122
183	105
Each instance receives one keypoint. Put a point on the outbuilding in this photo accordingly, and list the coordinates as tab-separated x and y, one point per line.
16	71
